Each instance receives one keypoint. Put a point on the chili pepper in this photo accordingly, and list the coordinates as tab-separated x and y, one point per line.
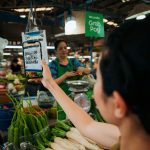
46	120
42	120
16	136
21	131
31	123
39	124
11	134
39	143
26	133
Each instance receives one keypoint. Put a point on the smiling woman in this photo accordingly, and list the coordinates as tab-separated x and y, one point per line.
63	68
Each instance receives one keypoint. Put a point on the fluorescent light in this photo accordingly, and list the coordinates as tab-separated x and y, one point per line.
6	54
125	1
13	46
20	53
60	34
140	17
115	24
20	47
138	14
23	16
37	9
110	23
105	20
52	47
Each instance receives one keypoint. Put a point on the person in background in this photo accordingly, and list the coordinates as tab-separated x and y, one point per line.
15	66
121	91
95	66
63	68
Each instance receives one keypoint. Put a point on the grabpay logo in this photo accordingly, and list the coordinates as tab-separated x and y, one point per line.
94	24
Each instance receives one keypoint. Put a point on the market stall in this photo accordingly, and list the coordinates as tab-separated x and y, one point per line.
30	117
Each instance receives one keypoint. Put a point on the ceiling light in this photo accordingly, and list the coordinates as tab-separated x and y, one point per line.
20	47
23	16
70	25
105	20
37	9
20	53
139	14
60	34
139	9
125	1
115	24
6	54
49	8
19	10
13	46
140	17
52	47
110	23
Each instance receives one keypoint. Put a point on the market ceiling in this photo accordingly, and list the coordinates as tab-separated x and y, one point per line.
52	20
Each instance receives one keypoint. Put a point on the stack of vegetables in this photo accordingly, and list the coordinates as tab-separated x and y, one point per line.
69	138
30	126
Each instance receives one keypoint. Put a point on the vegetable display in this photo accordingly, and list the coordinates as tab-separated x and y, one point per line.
31	126
28	126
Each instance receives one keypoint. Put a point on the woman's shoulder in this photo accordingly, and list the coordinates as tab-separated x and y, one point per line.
53	63
76	62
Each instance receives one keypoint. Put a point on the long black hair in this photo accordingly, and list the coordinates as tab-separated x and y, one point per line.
58	42
125	66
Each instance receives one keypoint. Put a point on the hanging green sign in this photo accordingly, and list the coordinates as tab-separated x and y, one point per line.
94	25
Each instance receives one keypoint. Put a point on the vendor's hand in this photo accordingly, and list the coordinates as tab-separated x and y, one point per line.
70	74
80	70
47	77
37	80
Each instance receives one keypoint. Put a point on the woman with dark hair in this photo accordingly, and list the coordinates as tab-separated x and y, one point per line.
121	92
15	66
63	68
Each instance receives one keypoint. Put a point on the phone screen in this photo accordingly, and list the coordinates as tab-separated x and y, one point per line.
32	60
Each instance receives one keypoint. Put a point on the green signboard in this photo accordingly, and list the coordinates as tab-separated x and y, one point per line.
94	25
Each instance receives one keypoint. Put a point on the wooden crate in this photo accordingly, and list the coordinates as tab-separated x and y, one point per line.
3	96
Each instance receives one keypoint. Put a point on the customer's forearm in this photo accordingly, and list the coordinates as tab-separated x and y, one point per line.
60	79
73	111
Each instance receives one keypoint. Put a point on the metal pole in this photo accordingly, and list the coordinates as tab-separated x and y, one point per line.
91	49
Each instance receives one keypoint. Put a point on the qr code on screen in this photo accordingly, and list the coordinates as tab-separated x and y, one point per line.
31	57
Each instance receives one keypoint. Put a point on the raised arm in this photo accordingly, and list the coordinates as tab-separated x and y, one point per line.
102	133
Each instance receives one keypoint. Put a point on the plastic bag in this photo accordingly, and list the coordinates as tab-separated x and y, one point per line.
82	100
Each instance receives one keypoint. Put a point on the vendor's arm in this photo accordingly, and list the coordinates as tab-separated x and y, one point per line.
64	76
82	70
102	133
36	80
80	67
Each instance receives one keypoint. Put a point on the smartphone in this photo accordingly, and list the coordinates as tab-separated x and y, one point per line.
32	55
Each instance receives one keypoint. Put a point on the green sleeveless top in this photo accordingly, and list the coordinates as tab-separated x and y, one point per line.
61	71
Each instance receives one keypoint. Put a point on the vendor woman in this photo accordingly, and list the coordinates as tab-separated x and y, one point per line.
63	68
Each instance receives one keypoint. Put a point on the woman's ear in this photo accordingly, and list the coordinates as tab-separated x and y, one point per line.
120	107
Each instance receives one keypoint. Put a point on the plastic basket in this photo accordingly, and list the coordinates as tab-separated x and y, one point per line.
6	115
